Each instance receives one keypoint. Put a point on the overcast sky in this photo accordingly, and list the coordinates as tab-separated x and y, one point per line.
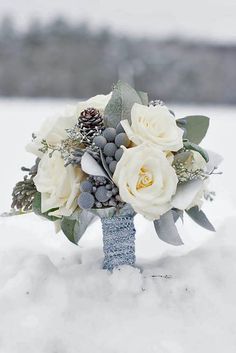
214	19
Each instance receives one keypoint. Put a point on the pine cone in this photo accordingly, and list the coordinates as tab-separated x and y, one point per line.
23	194
90	124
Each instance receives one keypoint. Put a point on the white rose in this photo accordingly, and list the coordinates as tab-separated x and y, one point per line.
154	125
98	102
146	180
59	185
53	130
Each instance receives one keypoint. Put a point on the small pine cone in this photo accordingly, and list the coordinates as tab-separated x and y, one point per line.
23	194
90	124
156	102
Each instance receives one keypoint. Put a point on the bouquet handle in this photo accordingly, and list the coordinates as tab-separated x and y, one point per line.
118	241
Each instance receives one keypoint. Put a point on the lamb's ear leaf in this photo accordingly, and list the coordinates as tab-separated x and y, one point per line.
120	105
107	212
36	206
144	97
177	214
75	225
200	218
166	229
104	164
91	167
195	127
192	146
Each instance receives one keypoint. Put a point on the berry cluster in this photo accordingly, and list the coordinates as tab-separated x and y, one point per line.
99	192
110	142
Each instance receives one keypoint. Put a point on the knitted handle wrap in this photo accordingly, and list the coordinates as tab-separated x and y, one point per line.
118	241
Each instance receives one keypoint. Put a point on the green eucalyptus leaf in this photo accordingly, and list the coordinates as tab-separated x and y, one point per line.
37	208
195	127
75	225
166	229
68	228
200	218
192	146
144	97
120	105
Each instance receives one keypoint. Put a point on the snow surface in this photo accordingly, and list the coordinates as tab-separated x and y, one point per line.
55	298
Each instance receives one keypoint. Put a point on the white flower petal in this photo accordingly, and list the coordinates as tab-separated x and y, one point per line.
186	193
59	185
90	166
154	125
147	162
214	160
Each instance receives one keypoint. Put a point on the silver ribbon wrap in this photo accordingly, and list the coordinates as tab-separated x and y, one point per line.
118	241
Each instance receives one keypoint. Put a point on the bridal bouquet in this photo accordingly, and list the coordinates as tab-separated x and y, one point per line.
113	156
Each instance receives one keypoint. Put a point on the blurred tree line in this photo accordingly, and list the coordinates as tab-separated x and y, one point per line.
63	60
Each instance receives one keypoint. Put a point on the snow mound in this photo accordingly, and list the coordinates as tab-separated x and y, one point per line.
55	298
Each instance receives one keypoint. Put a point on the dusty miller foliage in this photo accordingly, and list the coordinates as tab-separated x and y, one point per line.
71	149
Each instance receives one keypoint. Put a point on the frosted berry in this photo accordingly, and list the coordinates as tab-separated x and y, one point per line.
102	194
118	198
122	140
112	166
109	134
109	160
112	202
114	190
110	149
86	200
86	186
100	141
118	154
119	129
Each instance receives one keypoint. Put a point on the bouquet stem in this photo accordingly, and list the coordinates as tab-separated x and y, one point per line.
118	241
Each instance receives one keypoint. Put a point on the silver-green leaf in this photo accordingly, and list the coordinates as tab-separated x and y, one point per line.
192	146
195	127
166	229
106	212
37	208
105	166
120	105
75	226
144	97
200	218
177	214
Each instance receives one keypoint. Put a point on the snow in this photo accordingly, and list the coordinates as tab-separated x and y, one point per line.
55	298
